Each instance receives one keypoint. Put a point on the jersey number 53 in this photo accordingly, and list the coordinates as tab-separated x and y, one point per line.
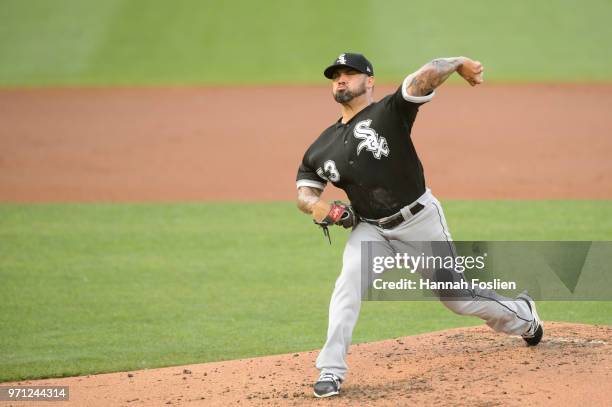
329	171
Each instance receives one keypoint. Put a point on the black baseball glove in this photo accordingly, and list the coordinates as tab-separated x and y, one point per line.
341	214
348	219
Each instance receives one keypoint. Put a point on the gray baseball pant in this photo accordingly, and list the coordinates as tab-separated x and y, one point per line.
500	313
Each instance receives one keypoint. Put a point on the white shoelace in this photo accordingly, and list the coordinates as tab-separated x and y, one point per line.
329	377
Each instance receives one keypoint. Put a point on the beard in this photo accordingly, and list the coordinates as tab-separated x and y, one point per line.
346	95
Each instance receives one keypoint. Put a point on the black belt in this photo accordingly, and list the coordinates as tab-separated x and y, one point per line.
394	220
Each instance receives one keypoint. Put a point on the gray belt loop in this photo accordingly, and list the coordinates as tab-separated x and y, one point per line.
405	211
423	200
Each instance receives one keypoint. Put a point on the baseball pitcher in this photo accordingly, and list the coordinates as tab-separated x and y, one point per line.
369	154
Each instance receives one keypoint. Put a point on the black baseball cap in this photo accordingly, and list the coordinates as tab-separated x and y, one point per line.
348	59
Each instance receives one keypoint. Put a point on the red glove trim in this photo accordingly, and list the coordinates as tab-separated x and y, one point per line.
335	213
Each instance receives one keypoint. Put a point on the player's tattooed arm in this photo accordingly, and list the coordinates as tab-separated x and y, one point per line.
434	73
309	201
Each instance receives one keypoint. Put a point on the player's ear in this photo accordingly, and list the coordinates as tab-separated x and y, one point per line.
370	82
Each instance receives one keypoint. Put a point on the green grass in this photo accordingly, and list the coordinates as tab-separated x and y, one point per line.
102	287
150	42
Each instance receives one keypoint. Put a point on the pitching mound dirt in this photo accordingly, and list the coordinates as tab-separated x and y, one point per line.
467	366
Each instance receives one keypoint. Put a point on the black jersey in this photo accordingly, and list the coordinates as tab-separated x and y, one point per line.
372	157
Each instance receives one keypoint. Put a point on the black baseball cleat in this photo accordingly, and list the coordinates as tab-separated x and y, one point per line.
534	334
327	385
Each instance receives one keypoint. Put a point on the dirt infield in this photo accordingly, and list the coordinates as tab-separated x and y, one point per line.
459	367
190	144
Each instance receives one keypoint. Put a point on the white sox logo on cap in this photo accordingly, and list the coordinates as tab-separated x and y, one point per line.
371	140
341	59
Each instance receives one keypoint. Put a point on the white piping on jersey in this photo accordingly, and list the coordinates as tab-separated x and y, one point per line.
310	183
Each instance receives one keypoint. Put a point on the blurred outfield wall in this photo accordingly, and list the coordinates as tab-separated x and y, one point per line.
106	42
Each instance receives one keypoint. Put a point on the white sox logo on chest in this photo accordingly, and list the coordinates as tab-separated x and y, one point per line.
371	140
